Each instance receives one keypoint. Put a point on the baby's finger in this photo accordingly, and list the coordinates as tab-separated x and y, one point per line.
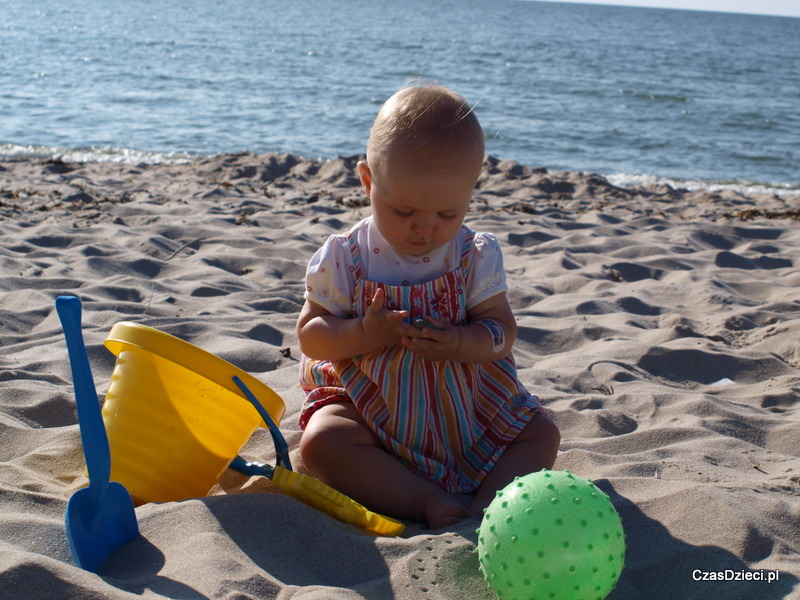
425	347
397	316
439	323
377	301
436	335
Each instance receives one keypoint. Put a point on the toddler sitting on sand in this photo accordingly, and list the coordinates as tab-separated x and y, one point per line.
405	419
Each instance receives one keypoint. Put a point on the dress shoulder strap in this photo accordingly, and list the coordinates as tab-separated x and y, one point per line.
355	253
465	249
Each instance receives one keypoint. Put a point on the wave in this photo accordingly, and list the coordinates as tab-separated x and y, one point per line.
94	154
741	186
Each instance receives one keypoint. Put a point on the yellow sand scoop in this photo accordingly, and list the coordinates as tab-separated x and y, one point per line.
307	489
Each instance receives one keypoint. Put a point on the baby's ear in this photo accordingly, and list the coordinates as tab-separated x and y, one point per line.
365	175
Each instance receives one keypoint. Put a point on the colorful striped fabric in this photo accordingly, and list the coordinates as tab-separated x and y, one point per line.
447	421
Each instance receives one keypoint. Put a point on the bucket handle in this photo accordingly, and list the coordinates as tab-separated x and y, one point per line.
281	447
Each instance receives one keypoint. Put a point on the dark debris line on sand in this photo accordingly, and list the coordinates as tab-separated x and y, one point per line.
53	187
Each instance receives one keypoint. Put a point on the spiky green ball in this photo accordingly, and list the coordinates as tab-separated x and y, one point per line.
551	535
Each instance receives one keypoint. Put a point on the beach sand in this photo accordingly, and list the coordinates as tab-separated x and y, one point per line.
661	327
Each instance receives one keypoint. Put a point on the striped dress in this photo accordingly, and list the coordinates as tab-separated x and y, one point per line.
448	422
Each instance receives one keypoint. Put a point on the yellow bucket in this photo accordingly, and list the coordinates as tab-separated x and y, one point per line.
175	418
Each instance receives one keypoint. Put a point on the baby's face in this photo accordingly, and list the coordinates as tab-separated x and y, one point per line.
417	209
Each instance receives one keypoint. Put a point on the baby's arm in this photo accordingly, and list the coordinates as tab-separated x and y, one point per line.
327	337
488	337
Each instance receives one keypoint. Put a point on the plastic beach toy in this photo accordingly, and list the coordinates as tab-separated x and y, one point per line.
101	517
174	416
551	534
309	490
177	417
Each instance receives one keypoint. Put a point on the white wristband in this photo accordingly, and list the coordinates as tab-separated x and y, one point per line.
498	335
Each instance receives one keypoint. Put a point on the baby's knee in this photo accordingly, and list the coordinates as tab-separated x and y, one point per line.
315	443
544	438
331	431
548	432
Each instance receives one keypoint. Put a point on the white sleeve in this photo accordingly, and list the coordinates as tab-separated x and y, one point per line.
487	276
329	278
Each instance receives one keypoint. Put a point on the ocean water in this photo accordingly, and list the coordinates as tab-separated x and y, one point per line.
638	94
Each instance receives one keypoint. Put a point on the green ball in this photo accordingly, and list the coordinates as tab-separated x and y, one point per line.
551	535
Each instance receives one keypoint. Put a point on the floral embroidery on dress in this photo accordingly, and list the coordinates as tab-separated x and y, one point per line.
439	304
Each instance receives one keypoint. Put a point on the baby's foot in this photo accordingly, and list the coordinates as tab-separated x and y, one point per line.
444	511
478	507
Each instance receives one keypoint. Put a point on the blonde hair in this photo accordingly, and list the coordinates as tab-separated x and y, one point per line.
428	122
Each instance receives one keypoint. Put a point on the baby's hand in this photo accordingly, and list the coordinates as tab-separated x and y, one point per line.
386	327
434	340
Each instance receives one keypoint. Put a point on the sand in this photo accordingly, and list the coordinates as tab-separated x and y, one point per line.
659	326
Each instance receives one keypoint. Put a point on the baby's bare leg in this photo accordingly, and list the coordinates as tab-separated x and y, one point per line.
534	449
338	448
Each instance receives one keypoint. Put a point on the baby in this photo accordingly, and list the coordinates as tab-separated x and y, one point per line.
414	407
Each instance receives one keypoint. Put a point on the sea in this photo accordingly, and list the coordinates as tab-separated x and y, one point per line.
640	95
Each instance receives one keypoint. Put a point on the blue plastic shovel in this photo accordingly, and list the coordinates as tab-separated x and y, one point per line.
99	518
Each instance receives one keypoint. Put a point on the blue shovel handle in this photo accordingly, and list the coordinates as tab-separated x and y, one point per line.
93	431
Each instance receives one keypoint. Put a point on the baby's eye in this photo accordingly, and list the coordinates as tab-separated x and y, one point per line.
447	216
403	213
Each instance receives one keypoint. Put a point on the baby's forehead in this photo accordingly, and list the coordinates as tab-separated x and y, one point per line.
434	154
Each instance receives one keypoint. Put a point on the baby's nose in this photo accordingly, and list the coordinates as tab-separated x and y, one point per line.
424	223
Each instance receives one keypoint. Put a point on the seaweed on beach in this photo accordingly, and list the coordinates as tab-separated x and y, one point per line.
751	214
